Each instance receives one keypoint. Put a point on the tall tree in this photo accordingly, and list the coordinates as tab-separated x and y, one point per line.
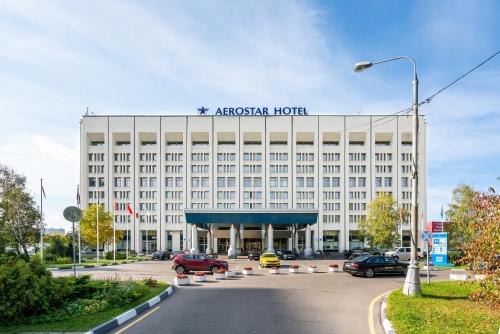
20	219
88	225
482	252
382	222
459	218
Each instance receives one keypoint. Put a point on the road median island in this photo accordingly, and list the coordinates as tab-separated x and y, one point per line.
444	307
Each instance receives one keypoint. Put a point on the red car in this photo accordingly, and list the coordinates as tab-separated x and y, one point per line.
184	263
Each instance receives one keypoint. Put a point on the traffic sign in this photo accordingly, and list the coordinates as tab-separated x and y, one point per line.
72	213
426	236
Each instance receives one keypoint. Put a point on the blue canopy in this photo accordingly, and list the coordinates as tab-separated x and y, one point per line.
259	217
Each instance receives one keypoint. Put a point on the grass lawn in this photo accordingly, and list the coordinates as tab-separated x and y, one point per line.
93	262
84	322
443	308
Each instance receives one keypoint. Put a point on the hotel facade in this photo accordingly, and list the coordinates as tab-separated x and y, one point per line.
229	184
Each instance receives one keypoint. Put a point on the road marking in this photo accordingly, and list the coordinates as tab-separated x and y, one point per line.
370	312
137	320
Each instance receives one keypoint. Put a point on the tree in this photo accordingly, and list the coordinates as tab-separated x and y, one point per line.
59	245
483	250
382	222
460	220
19	223
88	225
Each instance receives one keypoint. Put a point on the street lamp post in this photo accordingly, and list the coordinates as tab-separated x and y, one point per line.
412	281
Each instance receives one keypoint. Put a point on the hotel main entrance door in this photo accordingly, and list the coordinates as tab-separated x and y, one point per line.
252	244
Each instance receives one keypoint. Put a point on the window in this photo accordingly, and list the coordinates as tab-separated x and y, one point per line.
257	182
404	182
335	182
273	182
326	182
388	182
283	182
231	182
362	182
221	182
352	182
300	182
378	182
310	182
247	182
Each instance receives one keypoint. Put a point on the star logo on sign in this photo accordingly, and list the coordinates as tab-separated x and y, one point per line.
202	111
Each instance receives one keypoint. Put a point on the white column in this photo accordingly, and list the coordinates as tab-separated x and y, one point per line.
176	240
242	238
270	238
308	252
231	252
194	240
209	240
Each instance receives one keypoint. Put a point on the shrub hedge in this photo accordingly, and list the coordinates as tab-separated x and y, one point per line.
29	294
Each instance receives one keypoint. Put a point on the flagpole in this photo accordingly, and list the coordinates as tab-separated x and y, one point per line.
79	226
41	220
114	232
97	218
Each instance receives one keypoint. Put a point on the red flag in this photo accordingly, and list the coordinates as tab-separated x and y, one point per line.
129	209
137	215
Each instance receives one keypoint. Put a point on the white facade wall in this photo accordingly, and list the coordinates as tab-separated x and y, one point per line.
175	162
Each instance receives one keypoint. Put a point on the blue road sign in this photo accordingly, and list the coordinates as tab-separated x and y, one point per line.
426	236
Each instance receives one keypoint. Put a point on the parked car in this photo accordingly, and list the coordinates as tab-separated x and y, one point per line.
286	255
356	254
370	266
404	253
175	253
269	259
254	255
184	263
159	255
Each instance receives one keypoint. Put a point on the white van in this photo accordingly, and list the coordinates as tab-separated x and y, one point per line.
403	253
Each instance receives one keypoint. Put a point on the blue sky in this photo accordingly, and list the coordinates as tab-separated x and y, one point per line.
124	57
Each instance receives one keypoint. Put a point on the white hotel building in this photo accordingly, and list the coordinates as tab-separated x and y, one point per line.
234	183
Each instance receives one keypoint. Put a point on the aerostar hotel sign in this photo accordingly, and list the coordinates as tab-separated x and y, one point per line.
255	111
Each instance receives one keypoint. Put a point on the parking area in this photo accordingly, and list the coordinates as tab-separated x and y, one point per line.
322	302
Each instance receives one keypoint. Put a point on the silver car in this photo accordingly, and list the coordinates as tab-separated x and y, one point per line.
403	253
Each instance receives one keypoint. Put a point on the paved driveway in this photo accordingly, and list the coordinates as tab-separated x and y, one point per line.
286	303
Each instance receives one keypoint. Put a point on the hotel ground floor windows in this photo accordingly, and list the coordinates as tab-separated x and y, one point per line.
330	241
222	245
280	243
148	244
355	240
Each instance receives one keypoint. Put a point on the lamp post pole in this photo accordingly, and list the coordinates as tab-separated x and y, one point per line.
412	281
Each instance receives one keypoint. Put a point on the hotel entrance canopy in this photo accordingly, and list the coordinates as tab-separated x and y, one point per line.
255	217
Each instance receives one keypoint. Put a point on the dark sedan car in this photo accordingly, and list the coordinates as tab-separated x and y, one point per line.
254	255
370	266
286	255
175	253
160	255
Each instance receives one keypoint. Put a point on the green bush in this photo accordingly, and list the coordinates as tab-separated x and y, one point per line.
63	260
455	257
49	258
119	256
26	288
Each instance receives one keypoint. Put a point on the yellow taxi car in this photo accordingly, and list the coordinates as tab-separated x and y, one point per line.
269	259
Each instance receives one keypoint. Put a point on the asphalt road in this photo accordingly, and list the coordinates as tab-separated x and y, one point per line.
286	303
